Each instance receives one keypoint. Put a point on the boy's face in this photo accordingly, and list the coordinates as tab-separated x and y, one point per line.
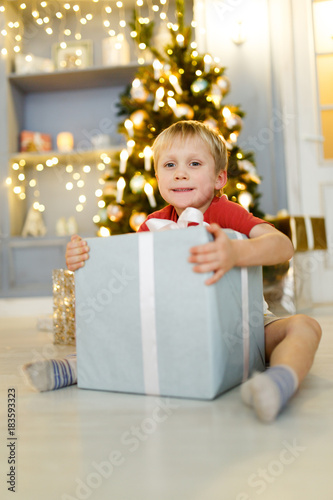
186	174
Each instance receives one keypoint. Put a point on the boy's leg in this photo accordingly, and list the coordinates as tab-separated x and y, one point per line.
291	344
51	374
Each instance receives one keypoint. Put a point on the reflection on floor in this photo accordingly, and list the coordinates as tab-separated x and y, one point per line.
78	444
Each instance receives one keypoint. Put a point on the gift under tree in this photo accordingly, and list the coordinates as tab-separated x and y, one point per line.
180	84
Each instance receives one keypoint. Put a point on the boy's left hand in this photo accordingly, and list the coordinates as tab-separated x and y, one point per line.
218	256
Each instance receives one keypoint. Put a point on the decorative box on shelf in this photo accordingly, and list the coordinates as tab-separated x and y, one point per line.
287	286
29	64
146	323
35	142
115	51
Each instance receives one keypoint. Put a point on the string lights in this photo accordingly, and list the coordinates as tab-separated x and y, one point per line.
69	18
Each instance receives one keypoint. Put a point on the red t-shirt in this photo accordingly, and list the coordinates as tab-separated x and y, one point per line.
225	213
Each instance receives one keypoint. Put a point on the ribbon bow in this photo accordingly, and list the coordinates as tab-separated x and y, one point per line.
187	217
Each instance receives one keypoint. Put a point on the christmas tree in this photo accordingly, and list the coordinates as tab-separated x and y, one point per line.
180	84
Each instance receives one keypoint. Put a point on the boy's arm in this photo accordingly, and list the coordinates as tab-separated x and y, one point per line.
77	252
266	246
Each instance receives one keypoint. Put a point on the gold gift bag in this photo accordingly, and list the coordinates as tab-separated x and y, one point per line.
63	307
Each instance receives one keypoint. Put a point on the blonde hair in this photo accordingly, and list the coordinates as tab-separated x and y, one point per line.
193	128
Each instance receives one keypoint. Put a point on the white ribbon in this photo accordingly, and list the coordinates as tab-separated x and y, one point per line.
147	313
189	215
147	297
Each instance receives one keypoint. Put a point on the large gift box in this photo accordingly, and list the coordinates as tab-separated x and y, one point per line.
146	323
287	286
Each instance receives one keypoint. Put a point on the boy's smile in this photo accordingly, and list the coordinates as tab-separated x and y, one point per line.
187	175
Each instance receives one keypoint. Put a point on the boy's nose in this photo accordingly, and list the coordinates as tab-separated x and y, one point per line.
180	174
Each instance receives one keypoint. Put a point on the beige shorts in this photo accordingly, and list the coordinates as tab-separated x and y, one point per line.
269	317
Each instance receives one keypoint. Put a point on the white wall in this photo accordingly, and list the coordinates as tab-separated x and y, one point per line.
250	69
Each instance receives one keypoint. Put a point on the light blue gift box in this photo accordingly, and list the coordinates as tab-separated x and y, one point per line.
146	323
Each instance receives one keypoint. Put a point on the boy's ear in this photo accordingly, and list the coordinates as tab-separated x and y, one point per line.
221	180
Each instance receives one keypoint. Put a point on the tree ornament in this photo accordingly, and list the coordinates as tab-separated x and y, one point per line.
136	219
138	91
162	38
184	110
246	165
245	199
114	212
233	122
216	95
250	169
224	83
212	123
110	188
199	85
137	183
103	216
139	117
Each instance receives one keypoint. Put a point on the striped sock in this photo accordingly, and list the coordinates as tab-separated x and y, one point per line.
269	392
51	374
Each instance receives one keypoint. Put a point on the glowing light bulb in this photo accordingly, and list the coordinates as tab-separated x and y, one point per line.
123	161
158	98
158	66
208	61
148	153
180	40
129	127
104	232
148	189
174	82
120	189
226	113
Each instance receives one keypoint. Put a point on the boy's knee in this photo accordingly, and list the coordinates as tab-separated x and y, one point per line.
302	321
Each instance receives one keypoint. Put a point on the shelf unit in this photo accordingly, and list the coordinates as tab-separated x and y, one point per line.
27	263
74	79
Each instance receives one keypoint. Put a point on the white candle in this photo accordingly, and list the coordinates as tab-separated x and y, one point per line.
130	146
180	40
129	127
226	113
148	155
123	161
174	82
158	98
173	104
120	189
157	65
150	194
208	61
65	142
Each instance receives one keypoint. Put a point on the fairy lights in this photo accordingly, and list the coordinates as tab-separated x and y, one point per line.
66	19
55	20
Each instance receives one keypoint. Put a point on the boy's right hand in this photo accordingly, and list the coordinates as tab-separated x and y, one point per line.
77	252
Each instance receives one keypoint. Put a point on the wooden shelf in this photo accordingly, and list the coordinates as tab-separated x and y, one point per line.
74	79
91	155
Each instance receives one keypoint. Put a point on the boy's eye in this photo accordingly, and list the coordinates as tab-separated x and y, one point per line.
169	164
195	163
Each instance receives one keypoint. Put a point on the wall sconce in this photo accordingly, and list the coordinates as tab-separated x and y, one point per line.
238	33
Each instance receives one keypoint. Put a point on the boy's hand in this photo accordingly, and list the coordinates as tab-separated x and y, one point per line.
218	256
77	252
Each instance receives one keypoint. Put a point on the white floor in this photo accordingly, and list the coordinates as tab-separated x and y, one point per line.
77	444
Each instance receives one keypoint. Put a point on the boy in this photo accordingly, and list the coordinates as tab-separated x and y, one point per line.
190	164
